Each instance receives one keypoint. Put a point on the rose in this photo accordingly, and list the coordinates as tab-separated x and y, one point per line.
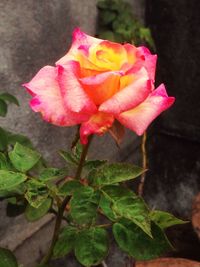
96	83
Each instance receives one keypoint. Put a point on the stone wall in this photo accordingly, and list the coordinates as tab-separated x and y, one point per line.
174	148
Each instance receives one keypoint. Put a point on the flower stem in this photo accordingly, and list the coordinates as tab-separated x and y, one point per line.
82	159
61	208
144	164
103	263
59	218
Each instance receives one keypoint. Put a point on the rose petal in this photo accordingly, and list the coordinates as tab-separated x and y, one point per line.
101	87
131	51
72	92
149	61
99	123
108	55
47	99
139	118
80	40
130	96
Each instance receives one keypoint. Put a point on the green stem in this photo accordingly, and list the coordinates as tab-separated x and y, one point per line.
61	209
144	164
56	230
82	159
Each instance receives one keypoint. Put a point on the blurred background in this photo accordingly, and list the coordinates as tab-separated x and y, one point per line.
35	33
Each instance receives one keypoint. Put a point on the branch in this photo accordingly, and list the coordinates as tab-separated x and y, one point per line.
144	164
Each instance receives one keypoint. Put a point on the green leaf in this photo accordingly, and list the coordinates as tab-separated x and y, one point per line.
19	138
65	242
9	180
91	246
52	174
68	188
107	35
114	173
110	4
4	164
102	4
105	206
77	150
3	108
145	34
13	191
128	205
107	17
23	158
68	157
137	244
94	164
3	140
33	214
36	193
9	98
7	258
164	219
84	204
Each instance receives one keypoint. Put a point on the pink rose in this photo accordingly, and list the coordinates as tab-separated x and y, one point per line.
96	83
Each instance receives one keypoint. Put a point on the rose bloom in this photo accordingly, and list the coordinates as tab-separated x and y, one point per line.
97	83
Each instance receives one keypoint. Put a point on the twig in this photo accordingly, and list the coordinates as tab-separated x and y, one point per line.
82	159
104	264
76	138
104	225
144	164
61	208
59	218
53	211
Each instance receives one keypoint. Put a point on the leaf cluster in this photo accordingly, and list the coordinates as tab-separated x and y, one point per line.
117	23
99	201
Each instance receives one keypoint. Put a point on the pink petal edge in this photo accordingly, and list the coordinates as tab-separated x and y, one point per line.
130	96
139	118
75	98
48	101
80	40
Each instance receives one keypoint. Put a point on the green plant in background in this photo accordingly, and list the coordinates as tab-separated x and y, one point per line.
87	207
7	138
117	23
11	187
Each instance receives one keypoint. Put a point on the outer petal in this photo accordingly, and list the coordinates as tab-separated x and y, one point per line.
72	92
79	40
99	123
130	96
101	87
148	61
47	99
139	118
